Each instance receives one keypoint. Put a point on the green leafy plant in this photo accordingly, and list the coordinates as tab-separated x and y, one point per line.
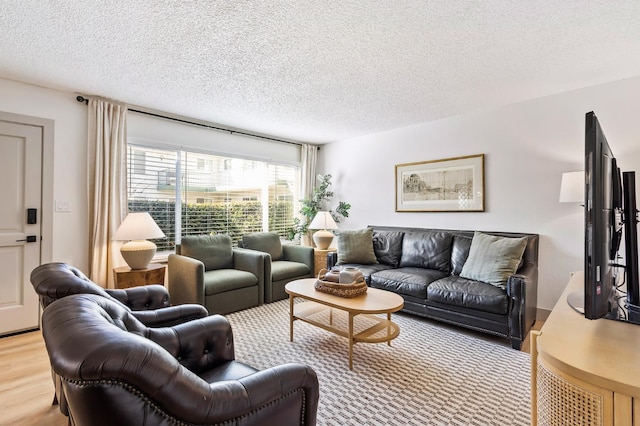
320	197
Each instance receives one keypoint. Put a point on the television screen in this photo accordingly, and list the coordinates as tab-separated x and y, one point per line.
601	230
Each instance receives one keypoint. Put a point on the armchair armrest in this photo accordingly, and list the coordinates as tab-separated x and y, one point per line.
277	382
251	261
288	392
186	280
200	344
142	298
170	316
301	254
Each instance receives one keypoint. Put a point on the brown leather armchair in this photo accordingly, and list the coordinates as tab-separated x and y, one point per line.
116	370
150	304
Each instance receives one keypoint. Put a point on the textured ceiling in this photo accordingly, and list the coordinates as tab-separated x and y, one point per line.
319	71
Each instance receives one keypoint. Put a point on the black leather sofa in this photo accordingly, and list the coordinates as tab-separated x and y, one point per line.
441	293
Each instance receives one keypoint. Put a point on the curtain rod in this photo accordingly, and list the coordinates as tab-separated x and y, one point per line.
81	98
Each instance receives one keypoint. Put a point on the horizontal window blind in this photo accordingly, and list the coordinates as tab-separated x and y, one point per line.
195	193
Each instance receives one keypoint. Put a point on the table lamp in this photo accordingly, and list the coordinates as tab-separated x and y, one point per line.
136	228
323	221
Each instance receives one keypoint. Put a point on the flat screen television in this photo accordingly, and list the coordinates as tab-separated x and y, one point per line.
604	222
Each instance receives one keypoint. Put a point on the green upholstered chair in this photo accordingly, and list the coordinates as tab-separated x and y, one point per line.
206	269
284	263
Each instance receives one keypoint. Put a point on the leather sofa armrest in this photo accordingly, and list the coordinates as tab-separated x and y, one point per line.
170	316
142	298
200	344
186	280
301	254
332	259
522	289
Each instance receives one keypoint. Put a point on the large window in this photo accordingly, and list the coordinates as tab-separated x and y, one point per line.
194	193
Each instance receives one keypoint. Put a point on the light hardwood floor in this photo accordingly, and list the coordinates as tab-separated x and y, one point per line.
26	389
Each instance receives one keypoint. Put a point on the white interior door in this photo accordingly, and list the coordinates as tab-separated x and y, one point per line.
20	190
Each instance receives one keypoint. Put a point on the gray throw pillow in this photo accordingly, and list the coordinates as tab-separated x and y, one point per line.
492	259
268	242
356	247
214	251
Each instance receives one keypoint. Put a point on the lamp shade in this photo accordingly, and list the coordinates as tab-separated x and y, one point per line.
323	221
572	187
136	228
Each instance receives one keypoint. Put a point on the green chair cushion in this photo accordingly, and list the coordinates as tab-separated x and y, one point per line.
215	251
268	242
283	270
223	280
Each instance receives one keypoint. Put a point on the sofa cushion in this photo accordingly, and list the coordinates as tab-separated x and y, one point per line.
430	250
459	252
468	293
268	242
406	281
214	251
387	246
368	270
492	259
356	247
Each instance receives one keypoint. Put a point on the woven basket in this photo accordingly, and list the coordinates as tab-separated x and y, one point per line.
353	289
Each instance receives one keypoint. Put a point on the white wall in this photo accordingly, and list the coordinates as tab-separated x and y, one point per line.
527	147
70	239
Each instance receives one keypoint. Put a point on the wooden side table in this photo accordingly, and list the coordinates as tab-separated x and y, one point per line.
125	277
320	259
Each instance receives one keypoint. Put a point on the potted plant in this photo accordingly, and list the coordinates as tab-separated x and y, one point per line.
311	206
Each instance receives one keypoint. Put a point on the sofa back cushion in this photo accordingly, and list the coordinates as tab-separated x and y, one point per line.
387	246
268	242
459	252
492	259
430	250
215	251
356	247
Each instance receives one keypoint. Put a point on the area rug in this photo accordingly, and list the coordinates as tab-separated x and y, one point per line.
432	374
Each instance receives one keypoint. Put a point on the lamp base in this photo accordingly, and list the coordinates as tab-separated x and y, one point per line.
323	239
138	253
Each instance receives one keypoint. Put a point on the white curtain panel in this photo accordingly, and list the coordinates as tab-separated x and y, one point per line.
309	160
107	181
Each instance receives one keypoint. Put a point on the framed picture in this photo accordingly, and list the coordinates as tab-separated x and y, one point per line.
447	185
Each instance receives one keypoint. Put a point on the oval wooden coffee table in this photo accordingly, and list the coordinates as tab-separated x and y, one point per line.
318	311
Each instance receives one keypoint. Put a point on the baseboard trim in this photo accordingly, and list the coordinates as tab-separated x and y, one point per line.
542	314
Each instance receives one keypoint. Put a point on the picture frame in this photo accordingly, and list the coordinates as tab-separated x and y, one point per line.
446	185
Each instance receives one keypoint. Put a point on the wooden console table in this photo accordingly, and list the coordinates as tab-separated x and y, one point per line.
584	372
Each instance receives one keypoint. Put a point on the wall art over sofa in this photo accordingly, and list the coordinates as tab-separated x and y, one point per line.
446	185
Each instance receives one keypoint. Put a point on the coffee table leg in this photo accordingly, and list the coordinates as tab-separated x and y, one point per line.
291	318
350	341
389	328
